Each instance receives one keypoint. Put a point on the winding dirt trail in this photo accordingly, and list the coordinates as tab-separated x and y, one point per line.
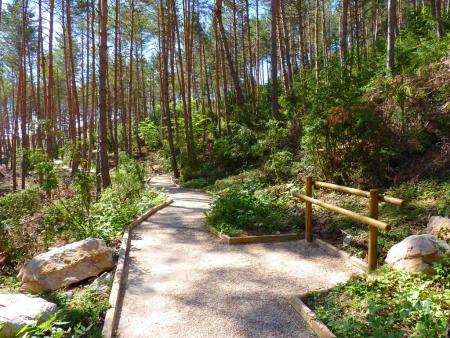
184	282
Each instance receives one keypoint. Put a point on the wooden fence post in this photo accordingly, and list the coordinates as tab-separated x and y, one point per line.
373	231
308	209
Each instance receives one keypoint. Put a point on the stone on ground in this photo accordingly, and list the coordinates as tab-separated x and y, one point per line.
19	310
416	253
440	227
66	265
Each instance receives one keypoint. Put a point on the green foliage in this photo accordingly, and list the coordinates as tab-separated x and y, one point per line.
278	166
149	132
129	178
275	137
80	216
419	45
15	206
235	150
80	315
250	208
196	183
391	304
50	328
44	169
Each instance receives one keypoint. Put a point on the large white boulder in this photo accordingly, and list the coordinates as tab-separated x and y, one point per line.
416	253
439	226
18	310
66	265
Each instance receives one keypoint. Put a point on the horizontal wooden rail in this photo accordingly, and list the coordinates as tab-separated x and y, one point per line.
345	212
358	192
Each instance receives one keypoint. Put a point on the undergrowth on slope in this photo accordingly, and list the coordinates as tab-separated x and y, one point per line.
391	304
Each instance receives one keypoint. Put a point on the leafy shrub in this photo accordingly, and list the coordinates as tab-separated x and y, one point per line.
80	216
393	304
196	183
279	166
79	316
149	132
129	178
274	137
235	150
250	208
344	144
45	171
14	207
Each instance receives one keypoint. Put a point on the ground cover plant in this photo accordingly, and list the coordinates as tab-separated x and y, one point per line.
251	207
388	304
81	311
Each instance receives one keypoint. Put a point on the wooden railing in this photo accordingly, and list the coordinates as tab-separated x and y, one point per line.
372	220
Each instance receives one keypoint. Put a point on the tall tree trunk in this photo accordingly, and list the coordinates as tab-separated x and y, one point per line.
344	31
23	95
273	59
391	34
164	58
103	66
130	83
116	91
50	96
234	76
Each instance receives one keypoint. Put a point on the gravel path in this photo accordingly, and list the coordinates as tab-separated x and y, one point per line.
184	282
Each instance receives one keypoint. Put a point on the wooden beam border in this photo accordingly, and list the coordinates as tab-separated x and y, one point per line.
316	325
253	239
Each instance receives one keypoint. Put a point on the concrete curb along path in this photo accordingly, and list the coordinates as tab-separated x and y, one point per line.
182	281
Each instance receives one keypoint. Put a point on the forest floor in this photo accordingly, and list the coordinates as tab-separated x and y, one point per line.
181	280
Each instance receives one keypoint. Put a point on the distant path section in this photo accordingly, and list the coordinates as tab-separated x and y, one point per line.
184	282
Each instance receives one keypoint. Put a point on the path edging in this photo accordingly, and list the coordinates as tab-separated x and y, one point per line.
253	239
355	261
111	317
319	328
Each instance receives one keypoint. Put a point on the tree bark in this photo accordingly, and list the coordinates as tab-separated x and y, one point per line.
273	59
391	34
103	66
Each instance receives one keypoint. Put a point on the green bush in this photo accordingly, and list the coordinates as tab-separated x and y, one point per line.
279	166
45	170
250	208
128	179
392	304
14	207
81	216
150	133
234	151
196	183
79	316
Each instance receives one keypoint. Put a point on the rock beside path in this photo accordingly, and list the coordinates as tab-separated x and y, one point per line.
416	253
66	265
18	310
440	227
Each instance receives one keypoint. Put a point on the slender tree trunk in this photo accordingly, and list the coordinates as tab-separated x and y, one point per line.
116	91
165	85
391	34
273	59
130	83
103	66
50	96
234	76
344	32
